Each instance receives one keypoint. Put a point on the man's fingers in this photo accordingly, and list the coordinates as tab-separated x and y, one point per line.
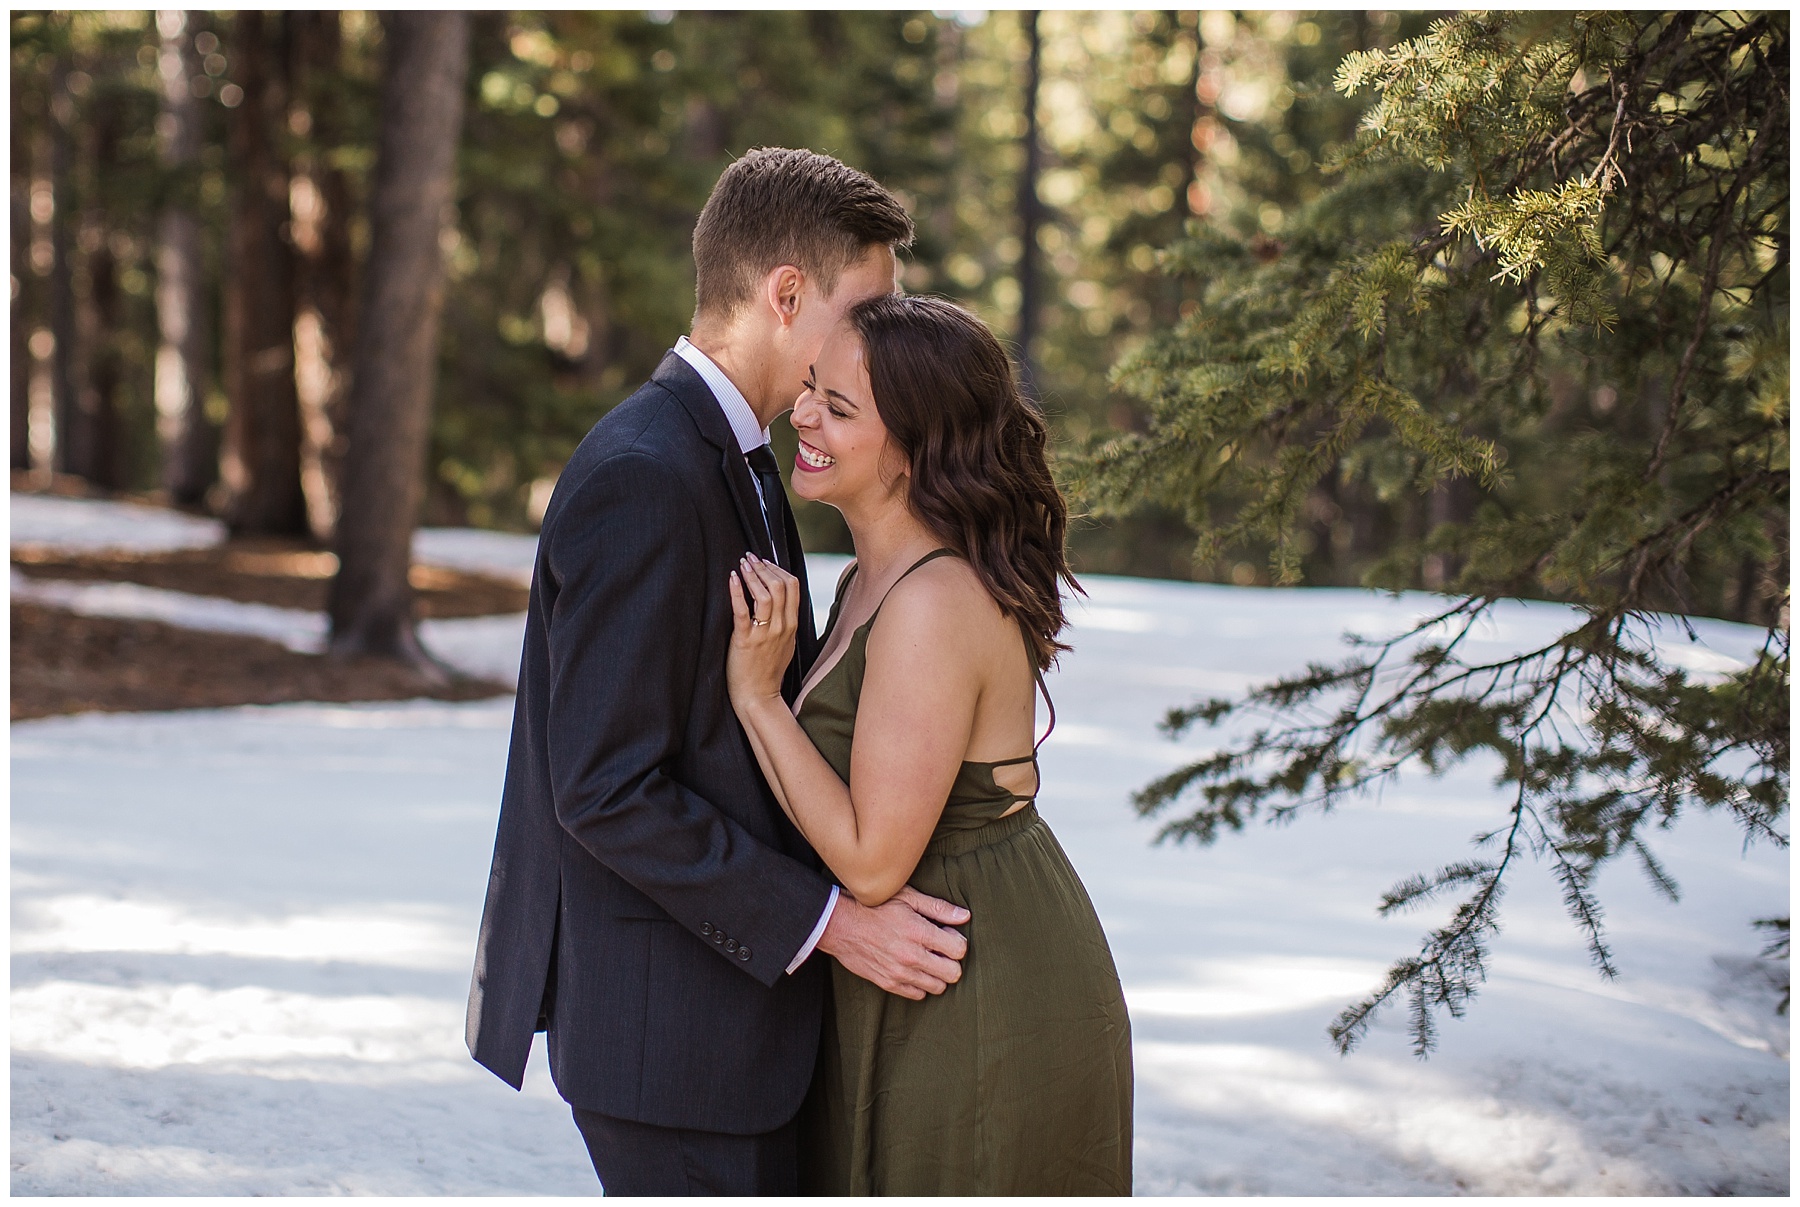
935	967
947	943
944	913
920	982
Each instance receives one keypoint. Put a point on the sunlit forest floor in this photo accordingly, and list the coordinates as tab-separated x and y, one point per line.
67	661
241	936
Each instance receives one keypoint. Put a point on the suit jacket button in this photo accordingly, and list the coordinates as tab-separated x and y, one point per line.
718	938
706	928
744	954
731	945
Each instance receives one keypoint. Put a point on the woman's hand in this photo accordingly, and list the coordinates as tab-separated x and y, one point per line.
762	631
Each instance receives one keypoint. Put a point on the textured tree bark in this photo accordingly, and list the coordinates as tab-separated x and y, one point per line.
396	349
62	262
187	440
93	451
1031	209
325	281
260	465
20	346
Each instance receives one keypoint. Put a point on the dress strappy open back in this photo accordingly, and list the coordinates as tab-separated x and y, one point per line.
1017	1079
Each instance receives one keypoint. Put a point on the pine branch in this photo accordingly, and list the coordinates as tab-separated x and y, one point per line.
1421	326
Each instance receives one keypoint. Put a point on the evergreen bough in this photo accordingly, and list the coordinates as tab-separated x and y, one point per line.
1541	211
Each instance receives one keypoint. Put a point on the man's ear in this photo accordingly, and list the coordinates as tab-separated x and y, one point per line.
781	292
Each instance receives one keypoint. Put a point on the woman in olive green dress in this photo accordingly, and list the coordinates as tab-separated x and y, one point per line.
909	760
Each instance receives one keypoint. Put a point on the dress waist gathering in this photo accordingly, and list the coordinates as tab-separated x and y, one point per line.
951	843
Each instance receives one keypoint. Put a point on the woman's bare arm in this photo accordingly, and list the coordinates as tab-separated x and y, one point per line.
917	709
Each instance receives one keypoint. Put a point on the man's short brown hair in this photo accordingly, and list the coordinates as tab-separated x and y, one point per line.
778	206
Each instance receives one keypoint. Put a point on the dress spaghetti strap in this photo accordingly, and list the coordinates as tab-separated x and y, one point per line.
929	557
1036	673
1048	703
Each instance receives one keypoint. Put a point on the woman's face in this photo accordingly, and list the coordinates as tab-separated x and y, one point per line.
845	455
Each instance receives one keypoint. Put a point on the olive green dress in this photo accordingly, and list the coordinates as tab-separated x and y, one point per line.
1017	1079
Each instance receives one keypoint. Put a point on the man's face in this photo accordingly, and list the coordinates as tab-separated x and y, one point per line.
876	274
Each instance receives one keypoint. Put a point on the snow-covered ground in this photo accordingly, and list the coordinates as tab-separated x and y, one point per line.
241	943
82	524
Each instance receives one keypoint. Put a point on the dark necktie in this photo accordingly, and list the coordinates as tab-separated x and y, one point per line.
774	499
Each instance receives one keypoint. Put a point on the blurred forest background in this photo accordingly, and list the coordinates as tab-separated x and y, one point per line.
186	182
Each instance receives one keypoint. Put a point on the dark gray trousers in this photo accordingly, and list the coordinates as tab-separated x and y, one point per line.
640	1159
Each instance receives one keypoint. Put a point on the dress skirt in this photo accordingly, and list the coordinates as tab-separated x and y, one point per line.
1017	1079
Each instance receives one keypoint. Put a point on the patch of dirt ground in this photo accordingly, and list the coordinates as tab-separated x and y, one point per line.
65	663
284	574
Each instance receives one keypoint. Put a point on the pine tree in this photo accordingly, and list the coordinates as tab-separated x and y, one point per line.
1550	287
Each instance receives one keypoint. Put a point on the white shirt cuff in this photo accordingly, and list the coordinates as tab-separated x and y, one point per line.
818	931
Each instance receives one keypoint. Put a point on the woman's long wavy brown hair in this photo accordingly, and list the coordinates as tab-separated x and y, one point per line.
975	445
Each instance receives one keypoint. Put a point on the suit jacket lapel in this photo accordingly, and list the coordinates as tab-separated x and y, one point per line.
687	386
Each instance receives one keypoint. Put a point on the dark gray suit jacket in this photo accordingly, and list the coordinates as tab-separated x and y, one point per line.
647	893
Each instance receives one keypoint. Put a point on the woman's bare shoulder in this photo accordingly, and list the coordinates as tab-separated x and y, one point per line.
943	600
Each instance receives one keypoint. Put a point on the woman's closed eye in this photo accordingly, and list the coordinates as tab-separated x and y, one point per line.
837	412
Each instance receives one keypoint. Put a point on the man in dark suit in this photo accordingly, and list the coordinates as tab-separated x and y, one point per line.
649	904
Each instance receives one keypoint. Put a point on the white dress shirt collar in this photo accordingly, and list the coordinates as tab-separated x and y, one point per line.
750	434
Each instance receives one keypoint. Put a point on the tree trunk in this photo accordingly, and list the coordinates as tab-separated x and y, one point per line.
1031	211
325	282
21	280
261	461
93	451
1189	112
396	348
188	442
62	266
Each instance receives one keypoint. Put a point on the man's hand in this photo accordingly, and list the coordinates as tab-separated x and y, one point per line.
902	945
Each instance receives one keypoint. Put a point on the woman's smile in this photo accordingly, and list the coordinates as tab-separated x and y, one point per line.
811	459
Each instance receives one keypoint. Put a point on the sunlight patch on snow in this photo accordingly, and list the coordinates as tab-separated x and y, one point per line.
302	632
413	936
1117	620
1512	626
1256	985
249	1028
1489	1145
502	554
1759	1030
1071	734
402	714
91	524
1188	678
488	646
1701	663
75	1160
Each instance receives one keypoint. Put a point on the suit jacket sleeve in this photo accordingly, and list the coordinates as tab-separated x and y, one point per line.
624	651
